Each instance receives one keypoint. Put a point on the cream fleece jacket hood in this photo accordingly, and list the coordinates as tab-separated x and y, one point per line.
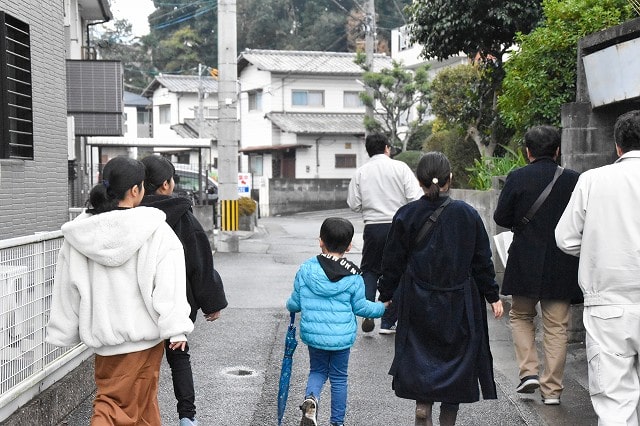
120	283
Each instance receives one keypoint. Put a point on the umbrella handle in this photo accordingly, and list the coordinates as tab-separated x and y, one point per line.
293	318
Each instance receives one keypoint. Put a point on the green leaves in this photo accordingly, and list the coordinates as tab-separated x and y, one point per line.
541	75
484	169
396	91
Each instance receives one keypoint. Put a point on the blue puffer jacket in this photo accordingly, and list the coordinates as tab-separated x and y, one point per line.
329	306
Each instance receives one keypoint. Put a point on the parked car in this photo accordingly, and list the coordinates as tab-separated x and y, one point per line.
186	179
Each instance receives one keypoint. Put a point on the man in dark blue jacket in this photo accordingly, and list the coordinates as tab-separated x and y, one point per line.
537	271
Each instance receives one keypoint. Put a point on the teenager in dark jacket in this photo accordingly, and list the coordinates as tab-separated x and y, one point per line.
442	349
204	285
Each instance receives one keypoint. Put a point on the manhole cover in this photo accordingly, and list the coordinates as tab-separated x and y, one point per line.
238	371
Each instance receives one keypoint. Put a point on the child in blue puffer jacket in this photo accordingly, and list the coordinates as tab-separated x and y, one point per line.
329	292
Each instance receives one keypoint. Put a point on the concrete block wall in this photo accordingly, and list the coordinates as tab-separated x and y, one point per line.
33	193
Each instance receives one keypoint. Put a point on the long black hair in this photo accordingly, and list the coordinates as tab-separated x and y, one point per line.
118	176
159	170
433	172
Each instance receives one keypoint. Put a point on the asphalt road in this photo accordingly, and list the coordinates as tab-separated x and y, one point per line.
236	359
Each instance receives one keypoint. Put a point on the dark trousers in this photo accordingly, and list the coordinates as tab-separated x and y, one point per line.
182	377
374	237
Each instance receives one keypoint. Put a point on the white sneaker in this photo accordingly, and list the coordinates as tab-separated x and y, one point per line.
551	401
390	330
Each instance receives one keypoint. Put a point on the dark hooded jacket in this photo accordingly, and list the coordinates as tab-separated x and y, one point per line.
205	290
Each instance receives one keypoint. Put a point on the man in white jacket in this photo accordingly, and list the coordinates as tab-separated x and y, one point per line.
377	190
601	225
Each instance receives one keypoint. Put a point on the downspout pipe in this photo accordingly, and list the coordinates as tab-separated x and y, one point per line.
106	14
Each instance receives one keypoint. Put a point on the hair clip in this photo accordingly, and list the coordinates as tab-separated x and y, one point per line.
105	183
435	180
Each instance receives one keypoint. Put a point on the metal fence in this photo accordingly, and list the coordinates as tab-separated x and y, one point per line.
27	363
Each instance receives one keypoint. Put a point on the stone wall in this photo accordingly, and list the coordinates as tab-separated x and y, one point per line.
587	132
287	196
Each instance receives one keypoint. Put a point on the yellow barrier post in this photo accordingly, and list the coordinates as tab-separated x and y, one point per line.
230	216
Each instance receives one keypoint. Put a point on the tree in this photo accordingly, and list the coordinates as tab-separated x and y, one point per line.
188	21
484	30
397	93
541	74
459	150
116	42
462	99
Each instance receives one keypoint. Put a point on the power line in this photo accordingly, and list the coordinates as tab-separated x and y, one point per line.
178	9
400	11
183	18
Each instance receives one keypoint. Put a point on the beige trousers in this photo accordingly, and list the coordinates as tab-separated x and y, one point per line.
127	391
555	320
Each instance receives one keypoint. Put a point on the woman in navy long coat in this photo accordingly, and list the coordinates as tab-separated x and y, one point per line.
442	348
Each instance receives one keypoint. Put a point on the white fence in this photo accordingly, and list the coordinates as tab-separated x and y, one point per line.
28	365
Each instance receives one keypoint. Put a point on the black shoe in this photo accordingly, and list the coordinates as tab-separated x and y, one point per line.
309	409
528	384
368	325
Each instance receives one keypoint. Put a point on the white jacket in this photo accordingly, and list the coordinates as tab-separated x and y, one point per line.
380	187
119	284
601	224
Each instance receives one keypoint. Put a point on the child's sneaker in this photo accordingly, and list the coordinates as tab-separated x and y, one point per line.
309	409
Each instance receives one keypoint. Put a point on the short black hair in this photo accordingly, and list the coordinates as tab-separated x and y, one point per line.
627	131
375	143
336	233
159	170
542	141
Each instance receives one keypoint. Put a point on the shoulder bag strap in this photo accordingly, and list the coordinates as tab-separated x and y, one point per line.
430	222
543	196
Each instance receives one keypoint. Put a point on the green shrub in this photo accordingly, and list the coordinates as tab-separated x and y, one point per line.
461	153
411	158
485	168
246	206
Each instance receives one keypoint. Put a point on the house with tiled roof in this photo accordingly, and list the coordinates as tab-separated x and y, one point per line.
301	118
176	101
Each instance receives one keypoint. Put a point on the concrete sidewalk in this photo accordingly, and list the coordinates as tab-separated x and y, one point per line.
236	360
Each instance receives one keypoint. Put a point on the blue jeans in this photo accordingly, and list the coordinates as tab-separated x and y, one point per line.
332	365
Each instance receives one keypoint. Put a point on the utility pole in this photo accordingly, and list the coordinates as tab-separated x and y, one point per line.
369	48
228	119
200	101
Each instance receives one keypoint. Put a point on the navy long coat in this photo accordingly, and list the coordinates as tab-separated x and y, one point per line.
536	268
442	344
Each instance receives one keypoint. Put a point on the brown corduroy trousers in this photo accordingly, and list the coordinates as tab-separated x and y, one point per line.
127	388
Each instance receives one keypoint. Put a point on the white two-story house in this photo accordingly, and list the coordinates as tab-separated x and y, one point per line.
301	116
185	106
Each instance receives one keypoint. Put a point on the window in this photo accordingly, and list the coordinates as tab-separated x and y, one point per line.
345	161
352	100
16	113
255	164
164	114
143	117
307	97
255	101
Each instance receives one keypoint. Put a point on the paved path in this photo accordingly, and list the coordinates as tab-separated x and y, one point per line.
237	359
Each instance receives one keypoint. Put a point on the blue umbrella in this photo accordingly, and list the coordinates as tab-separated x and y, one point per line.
290	344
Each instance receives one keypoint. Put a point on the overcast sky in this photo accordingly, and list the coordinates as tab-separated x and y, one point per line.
134	11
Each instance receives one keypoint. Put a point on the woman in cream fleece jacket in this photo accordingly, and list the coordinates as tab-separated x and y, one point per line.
120	289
